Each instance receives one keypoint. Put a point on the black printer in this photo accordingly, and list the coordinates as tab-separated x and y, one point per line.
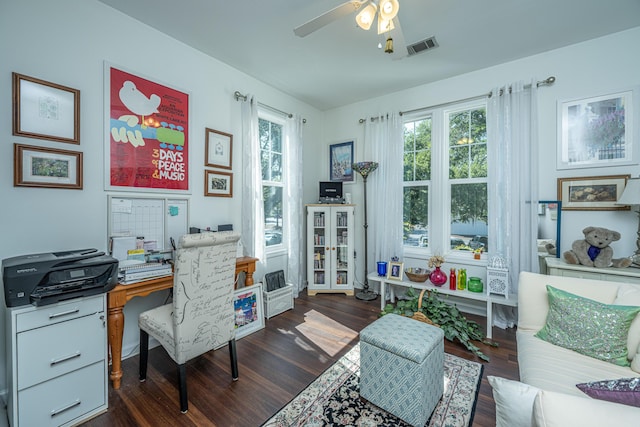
48	278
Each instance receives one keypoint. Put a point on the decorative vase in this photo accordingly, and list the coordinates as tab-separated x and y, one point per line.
437	277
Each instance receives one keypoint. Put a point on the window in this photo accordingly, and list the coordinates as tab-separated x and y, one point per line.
271	155
445	179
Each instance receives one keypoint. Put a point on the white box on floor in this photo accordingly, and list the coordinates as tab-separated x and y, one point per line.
278	300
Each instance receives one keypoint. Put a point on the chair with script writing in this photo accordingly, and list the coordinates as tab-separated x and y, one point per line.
201	316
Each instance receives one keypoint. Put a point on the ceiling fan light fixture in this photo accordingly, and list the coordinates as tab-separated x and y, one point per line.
384	26
365	18
389	9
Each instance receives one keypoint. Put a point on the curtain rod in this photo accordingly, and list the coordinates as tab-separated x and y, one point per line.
238	96
546	82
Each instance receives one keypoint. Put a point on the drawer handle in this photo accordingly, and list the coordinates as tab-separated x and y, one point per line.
65	408
64	359
64	313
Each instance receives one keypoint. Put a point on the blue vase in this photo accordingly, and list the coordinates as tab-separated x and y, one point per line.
382	268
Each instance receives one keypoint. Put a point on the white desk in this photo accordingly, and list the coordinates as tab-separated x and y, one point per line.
489	300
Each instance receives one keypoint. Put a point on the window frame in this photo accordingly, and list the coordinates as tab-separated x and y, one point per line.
439	186
281	247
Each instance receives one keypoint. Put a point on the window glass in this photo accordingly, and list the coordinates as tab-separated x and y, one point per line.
271	157
417	173
449	166
468	179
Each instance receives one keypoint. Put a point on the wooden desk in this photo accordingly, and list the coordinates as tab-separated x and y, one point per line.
121	294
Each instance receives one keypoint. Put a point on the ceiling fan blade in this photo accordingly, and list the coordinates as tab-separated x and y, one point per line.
399	45
328	17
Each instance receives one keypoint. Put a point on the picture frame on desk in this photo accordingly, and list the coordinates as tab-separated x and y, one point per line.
395	271
248	310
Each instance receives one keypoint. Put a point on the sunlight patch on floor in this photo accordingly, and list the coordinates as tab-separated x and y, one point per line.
325	333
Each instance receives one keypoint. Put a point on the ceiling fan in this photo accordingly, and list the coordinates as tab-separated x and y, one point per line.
387	21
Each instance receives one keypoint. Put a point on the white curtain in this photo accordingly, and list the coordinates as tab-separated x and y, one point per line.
384	144
252	205
293	197
513	182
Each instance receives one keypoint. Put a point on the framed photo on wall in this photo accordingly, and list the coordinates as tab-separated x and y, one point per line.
218	184
45	110
146	134
592	193
596	132
248	310
46	167
218	149
341	159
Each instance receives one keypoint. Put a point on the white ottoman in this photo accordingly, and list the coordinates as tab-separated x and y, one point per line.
402	367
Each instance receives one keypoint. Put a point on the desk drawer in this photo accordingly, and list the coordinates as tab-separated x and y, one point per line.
55	313
48	352
64	399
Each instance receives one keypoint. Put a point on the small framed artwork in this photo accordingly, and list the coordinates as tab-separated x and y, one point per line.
218	184
45	110
218	149
248	310
340	162
595	132
46	167
592	193
395	270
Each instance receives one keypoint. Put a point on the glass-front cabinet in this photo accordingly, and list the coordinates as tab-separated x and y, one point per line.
330	248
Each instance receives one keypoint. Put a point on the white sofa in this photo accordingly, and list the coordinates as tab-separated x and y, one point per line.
549	373
548	366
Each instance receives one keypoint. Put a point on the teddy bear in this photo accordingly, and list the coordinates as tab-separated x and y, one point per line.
594	249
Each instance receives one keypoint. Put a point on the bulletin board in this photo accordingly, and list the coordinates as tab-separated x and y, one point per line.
153	218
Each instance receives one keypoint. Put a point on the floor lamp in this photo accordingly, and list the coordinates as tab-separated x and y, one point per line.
364	169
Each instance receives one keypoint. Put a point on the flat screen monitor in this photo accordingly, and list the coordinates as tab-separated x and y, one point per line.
330	189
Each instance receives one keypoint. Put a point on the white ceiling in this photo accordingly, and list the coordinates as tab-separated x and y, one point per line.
340	64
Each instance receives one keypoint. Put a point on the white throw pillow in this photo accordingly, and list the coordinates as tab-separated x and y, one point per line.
552	409
514	402
635	363
630	295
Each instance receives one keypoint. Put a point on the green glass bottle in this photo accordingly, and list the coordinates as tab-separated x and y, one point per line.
462	279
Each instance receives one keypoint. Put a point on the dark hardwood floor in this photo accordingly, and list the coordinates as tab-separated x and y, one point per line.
275	364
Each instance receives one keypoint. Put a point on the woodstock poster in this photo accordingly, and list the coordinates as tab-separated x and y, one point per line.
148	128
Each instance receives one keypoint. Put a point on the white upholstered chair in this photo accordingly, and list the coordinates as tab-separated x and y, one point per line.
201	316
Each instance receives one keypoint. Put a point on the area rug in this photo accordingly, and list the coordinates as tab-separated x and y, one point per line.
333	399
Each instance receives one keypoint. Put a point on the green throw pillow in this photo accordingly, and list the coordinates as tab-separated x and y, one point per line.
588	327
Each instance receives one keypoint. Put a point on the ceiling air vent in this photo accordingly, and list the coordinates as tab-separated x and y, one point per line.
422	46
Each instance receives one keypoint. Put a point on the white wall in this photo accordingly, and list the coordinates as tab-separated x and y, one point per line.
67	42
596	67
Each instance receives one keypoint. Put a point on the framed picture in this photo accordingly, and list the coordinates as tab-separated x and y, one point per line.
218	184
46	167
395	270
592	193
45	110
340	160
218	149
596	132
146	134
248	309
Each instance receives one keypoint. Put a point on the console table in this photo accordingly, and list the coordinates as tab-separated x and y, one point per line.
483	297
559	267
121	294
